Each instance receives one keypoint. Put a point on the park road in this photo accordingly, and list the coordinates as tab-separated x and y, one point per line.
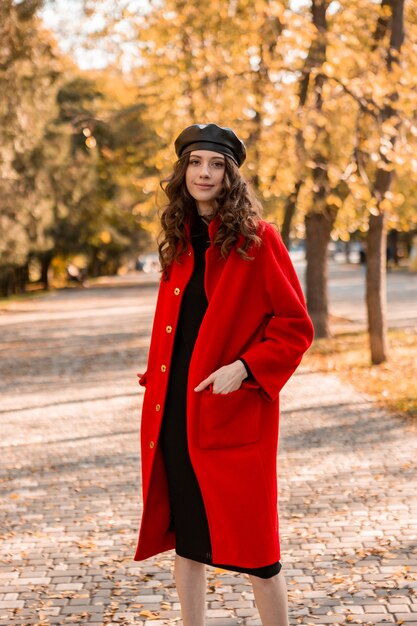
70	481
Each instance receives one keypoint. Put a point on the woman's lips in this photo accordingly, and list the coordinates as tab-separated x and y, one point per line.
204	186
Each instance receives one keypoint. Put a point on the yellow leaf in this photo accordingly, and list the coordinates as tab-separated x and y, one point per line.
149	614
338	579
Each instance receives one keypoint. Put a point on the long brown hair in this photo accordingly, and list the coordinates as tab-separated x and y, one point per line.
237	206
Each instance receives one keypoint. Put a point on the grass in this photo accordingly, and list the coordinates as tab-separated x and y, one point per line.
393	384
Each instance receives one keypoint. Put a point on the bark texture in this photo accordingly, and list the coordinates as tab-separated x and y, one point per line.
377	237
376	288
318	229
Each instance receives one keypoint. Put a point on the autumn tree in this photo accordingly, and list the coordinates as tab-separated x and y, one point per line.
73	147
383	103
305	86
93	179
390	28
29	70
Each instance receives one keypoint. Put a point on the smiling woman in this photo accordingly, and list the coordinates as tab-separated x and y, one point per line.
200	167
230	328
204	178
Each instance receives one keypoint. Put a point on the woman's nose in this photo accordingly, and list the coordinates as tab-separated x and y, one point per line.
204	171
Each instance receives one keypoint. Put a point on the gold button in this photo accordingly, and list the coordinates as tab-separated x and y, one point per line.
168	329
151	444
158	407
163	368
177	291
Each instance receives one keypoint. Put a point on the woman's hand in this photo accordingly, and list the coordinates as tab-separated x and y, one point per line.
226	379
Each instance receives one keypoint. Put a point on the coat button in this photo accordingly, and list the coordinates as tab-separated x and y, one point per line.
151	444
163	368
168	329
177	291
158	407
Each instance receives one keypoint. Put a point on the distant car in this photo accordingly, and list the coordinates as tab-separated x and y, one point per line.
148	263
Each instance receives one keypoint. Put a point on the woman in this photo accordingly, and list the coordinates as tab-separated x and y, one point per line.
230	328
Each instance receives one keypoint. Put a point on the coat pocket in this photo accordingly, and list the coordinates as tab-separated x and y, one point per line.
232	419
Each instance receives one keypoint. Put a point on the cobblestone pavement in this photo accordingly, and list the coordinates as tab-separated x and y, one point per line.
69	472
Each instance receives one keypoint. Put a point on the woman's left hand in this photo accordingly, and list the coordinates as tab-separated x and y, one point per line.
226	379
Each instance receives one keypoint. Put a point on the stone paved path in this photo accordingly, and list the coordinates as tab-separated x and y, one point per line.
70	493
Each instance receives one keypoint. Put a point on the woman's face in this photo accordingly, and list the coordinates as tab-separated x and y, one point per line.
204	178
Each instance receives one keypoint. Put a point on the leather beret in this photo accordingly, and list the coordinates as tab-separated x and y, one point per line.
211	137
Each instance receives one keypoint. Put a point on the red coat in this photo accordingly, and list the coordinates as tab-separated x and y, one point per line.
256	311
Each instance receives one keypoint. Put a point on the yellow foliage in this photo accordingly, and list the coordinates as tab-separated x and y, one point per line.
385	204
105	236
241	64
334	200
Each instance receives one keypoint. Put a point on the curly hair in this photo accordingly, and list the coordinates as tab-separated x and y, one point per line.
237	206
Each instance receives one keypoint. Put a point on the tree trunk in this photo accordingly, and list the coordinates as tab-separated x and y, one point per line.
94	266
320	219
13	280
318	229
392	245
22	278
376	287
289	213
377	237
46	260
347	250
6	281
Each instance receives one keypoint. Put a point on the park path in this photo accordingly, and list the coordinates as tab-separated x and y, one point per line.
70	491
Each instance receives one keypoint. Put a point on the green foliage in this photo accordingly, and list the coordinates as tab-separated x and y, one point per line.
69	143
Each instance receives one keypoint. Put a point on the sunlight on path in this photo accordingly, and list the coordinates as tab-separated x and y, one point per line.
71	493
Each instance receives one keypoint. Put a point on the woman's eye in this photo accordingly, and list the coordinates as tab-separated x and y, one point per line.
215	164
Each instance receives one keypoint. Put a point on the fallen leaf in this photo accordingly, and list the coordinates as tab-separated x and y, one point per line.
149	614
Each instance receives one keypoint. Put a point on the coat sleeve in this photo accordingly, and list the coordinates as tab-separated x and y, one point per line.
289	331
142	378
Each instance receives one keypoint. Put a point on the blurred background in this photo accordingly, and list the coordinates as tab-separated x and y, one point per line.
93	93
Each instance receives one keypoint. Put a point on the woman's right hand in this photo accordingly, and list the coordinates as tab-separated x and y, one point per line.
226	379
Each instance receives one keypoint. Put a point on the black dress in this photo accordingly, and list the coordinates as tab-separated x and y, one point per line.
188	515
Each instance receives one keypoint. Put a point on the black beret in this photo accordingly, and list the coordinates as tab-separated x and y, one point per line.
211	137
